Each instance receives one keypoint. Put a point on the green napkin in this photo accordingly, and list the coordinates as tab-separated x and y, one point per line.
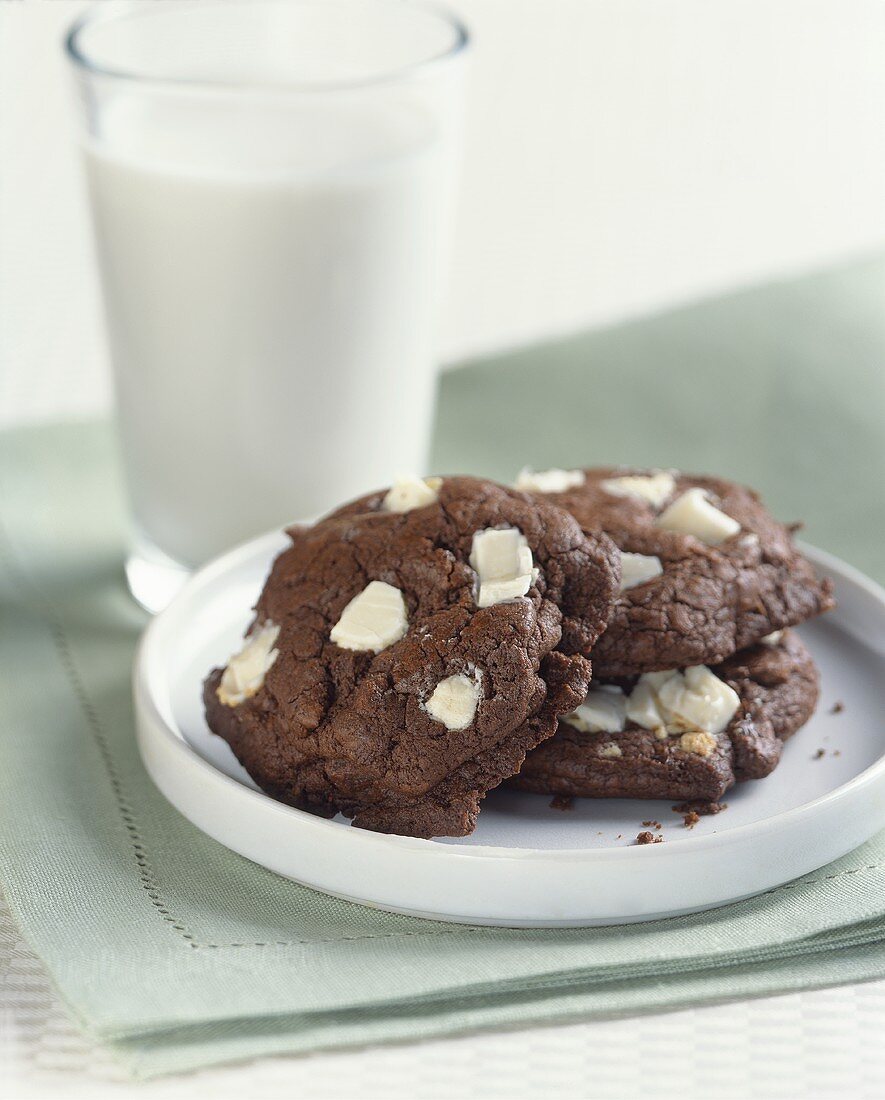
179	953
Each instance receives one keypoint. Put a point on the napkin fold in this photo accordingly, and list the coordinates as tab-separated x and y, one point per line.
179	953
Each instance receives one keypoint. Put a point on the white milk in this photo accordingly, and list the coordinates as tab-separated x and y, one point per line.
270	283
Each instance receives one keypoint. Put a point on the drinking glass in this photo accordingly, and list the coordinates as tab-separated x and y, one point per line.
271	184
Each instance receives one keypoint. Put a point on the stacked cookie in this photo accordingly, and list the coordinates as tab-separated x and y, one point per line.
697	680
420	646
411	648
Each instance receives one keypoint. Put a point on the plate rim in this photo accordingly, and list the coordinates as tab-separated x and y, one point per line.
175	739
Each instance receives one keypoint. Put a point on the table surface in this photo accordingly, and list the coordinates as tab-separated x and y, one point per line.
811	1044
815	1043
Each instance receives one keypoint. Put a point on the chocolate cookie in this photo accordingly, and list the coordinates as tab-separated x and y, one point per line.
706	569
403	656
773	688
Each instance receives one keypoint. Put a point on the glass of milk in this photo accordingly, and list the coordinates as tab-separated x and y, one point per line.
271	189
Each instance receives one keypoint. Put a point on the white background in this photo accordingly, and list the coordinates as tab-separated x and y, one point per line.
621	155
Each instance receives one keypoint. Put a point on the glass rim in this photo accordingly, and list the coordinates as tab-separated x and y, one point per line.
104	12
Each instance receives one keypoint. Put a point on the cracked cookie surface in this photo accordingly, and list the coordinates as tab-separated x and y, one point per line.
370	732
778	690
708	601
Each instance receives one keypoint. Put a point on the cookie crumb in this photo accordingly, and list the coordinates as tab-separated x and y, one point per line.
649	838
703	809
652	825
819	754
837	707
691	819
837	752
562	802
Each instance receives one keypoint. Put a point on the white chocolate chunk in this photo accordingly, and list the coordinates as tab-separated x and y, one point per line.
638	568
654	488
455	699
698	700
657	679
694	700
503	562
610	750
697	741
373	620
773	639
247	669
642	707
548	481
412	492
603	711
693	514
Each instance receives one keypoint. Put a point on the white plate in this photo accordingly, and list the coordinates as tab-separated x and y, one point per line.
527	864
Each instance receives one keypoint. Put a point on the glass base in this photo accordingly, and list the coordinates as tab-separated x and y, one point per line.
153	577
